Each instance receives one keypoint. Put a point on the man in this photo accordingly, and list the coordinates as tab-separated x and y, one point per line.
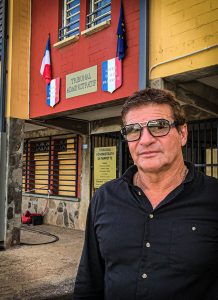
153	233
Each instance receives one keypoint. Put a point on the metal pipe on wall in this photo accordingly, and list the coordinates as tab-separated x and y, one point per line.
143	45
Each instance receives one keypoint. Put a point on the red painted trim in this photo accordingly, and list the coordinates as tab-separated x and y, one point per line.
79	163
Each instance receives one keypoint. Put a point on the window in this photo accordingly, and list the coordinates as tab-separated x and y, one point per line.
70	19
50	166
100	11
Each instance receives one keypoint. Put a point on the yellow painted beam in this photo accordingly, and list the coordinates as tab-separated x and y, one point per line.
17	103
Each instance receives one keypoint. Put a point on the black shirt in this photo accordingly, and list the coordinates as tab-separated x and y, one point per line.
133	251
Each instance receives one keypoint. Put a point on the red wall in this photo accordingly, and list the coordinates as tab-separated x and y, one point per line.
86	52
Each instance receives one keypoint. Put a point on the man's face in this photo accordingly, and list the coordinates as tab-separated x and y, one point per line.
155	154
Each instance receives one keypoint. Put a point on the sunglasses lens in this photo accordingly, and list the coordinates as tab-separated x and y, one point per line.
132	132
158	127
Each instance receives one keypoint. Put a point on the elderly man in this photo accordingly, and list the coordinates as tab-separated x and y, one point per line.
153	233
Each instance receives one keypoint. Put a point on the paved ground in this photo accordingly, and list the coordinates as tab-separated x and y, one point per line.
41	271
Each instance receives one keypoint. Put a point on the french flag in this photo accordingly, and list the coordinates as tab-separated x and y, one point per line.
111	74
45	69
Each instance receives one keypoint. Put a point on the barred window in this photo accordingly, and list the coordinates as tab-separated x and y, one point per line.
50	166
100	11
70	19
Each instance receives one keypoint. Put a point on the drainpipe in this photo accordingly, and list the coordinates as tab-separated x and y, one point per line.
143	45
3	204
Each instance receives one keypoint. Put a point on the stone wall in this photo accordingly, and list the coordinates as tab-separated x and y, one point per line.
14	180
55	212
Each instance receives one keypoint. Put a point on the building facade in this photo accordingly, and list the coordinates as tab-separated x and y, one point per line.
59	170
72	142
171	44
14	98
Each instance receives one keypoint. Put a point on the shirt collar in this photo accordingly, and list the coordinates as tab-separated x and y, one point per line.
130	172
191	172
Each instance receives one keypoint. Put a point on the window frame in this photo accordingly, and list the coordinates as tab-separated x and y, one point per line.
53	178
64	33
93	9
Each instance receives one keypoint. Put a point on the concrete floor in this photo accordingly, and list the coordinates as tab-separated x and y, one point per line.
41	271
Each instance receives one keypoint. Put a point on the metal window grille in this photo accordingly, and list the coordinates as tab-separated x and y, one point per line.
50	166
202	146
100	11
70	18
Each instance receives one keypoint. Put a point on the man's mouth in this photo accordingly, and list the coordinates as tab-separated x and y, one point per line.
148	153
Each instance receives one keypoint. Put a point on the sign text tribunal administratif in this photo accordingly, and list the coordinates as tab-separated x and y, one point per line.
82	82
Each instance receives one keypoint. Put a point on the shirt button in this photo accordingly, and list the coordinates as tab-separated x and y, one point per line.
148	245
144	275
139	193
194	228
151	216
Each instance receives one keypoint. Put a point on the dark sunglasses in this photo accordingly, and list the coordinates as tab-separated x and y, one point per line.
157	128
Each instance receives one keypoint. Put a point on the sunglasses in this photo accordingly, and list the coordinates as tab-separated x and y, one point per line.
157	128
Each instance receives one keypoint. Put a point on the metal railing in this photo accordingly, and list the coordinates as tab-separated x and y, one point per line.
71	20
98	13
202	146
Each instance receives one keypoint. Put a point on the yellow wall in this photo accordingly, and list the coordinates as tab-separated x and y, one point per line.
18	59
179	28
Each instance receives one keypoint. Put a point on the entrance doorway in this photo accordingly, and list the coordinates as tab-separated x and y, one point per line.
201	148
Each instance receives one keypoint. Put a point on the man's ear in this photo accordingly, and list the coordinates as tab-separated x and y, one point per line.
183	131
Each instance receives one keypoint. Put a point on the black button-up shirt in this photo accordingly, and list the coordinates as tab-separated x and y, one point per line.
133	251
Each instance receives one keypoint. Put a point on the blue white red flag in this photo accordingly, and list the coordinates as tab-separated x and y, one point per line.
121	35
52	92
111	74
45	69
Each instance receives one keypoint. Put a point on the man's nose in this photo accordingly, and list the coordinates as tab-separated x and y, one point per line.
146	137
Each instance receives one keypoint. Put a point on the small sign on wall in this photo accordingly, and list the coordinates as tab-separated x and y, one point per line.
82	82
104	165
